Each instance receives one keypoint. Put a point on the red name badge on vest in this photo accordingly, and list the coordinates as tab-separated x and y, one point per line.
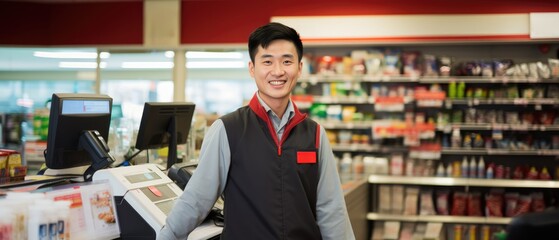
305	157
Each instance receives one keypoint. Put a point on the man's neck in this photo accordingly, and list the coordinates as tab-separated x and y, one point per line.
278	106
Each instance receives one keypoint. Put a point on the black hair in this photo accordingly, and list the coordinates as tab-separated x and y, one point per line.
265	34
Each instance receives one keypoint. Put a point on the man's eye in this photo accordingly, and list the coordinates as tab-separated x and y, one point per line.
287	62
267	62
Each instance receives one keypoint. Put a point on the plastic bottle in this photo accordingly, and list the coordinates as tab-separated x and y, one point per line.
481	168
460	90
472	171
464	167
448	171
358	166
440	170
490	170
410	166
452	90
345	164
456	140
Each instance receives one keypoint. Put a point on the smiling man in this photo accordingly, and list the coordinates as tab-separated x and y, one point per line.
273	165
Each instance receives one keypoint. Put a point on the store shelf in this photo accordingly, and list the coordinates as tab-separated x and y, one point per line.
504	101
443	219
317	78
472	182
490	80
367	148
325	78
392	79
493	151
346	125
497	126
343	100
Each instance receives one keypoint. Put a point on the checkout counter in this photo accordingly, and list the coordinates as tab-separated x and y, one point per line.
356	194
142	196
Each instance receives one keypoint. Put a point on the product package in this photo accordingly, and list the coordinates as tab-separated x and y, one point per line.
430	65
384	199
459	204
511	202
474	204
411	200
407	231
442	197
397	199
411	64
538	203
391	230
494	201
391	63
553	67
426	200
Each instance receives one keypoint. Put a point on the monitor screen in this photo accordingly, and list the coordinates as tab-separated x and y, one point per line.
165	125
70	115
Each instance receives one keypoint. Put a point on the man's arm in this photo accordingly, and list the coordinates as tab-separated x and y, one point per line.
331	211
203	189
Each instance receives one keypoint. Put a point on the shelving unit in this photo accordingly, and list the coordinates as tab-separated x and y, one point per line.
466	182
388	145
443	219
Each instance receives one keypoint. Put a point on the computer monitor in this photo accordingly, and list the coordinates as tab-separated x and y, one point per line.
78	126
165	125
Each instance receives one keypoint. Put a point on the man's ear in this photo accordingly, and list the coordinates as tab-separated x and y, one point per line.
251	69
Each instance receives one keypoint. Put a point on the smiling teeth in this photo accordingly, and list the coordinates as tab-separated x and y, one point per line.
276	82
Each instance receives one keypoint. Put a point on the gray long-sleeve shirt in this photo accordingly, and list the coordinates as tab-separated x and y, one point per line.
210	178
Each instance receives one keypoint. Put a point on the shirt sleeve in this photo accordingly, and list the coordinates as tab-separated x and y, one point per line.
331	211
203	189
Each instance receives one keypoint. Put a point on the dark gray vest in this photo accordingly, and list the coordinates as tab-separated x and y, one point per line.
270	193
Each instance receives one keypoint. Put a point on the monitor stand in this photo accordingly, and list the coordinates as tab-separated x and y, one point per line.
74	171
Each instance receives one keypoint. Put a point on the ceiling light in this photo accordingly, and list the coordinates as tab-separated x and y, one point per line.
227	55
91	65
84	55
147	65
104	55
216	64
169	54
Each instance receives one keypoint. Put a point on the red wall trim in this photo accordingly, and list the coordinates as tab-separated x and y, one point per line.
97	23
418	39
83	23
233	21
207	21
22	23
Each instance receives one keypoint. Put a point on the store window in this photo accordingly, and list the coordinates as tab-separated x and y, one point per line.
219	96
132	78
28	77
218	82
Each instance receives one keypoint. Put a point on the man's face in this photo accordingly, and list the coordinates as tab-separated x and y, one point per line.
276	70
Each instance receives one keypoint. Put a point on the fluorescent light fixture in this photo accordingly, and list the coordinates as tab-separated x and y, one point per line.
104	55
213	55
169	54
80	65
216	64
147	65
81	55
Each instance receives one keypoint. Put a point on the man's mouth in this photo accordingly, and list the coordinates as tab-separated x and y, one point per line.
277	82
